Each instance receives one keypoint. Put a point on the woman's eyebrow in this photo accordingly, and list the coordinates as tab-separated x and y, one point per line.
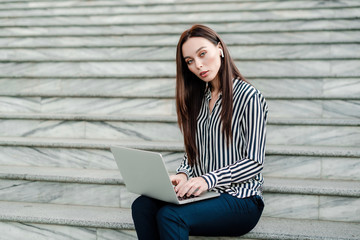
200	48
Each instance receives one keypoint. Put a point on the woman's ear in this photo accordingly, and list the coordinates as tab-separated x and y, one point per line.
221	52
220	49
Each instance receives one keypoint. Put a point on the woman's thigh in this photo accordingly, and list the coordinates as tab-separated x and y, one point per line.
222	216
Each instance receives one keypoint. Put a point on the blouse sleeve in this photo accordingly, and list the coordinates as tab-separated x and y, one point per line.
254	132
185	167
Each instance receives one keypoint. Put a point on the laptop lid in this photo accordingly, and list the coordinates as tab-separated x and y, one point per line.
144	173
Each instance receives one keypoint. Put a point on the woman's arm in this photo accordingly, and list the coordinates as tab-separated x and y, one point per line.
185	183
254	125
185	167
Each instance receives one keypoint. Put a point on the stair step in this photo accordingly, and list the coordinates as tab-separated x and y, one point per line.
315	167
169	119
177	29
63	175
112	8
279	107
312	187
113	177
250	39
185	18
90	143
132	131
64	157
239	53
18	4
95	87
261	68
280	163
85	105
283	132
58	217
103	188
82	216
315	88
286	198
321	151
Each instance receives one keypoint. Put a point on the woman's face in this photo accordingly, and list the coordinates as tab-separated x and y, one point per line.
202	57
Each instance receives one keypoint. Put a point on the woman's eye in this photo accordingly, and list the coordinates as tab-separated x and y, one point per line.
202	54
189	61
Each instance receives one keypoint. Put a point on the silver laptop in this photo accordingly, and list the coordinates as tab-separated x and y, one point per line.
145	173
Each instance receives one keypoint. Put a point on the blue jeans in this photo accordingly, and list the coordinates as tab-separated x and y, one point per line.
222	216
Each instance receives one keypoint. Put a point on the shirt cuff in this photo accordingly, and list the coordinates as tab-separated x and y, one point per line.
210	179
183	171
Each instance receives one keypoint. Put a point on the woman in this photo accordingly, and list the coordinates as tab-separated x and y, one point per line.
223	120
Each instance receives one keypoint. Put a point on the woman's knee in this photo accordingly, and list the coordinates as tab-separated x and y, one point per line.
167	213
143	205
137	203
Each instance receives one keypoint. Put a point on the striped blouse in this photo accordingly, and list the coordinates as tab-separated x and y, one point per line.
234	169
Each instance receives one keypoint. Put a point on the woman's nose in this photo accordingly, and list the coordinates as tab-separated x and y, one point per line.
198	64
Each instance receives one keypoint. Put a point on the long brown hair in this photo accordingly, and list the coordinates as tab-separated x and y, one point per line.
190	90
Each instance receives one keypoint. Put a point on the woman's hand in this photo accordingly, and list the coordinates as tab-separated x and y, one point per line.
178	179
194	186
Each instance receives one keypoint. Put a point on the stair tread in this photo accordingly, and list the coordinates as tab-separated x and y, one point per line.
312	186
240	53
66	215
187	18
171	29
118	218
259	68
320	37
269	96
91	176
96	176
305	150
117	7
171	119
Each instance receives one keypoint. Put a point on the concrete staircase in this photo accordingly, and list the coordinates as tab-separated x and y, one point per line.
79	76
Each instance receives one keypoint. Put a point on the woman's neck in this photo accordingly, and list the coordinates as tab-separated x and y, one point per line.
215	85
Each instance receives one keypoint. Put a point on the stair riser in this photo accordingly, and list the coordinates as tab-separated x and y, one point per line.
159	40
91	130
119	8
312	207
177	29
275	68
66	193
166	107
277	134
275	166
166	87
277	205
99	106
311	167
71	158
187	18
17	231
313	135
167	53
88	87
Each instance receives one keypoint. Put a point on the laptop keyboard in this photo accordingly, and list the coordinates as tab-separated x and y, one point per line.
186	197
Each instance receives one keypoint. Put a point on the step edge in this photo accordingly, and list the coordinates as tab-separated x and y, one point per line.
285	150
124	221
320	187
168	119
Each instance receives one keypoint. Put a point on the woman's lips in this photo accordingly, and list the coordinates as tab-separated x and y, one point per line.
204	73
